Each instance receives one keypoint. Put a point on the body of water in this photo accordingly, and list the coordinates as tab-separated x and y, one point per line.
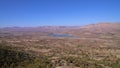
61	35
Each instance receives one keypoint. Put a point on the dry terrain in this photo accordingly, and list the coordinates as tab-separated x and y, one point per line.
90	46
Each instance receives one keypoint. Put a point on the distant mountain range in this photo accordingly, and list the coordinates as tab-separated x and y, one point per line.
88	30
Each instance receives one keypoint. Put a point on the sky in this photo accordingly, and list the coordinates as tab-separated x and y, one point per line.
27	13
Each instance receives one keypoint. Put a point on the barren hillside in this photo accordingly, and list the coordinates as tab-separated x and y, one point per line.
93	46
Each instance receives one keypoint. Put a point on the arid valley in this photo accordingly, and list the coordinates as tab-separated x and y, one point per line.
90	46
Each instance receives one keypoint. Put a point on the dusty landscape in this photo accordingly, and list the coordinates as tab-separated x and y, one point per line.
90	46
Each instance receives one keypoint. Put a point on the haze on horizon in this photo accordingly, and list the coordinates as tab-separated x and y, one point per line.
27	13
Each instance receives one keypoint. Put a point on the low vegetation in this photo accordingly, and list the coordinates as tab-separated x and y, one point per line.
87	49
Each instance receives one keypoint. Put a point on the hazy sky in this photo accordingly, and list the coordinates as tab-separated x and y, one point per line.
57	12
